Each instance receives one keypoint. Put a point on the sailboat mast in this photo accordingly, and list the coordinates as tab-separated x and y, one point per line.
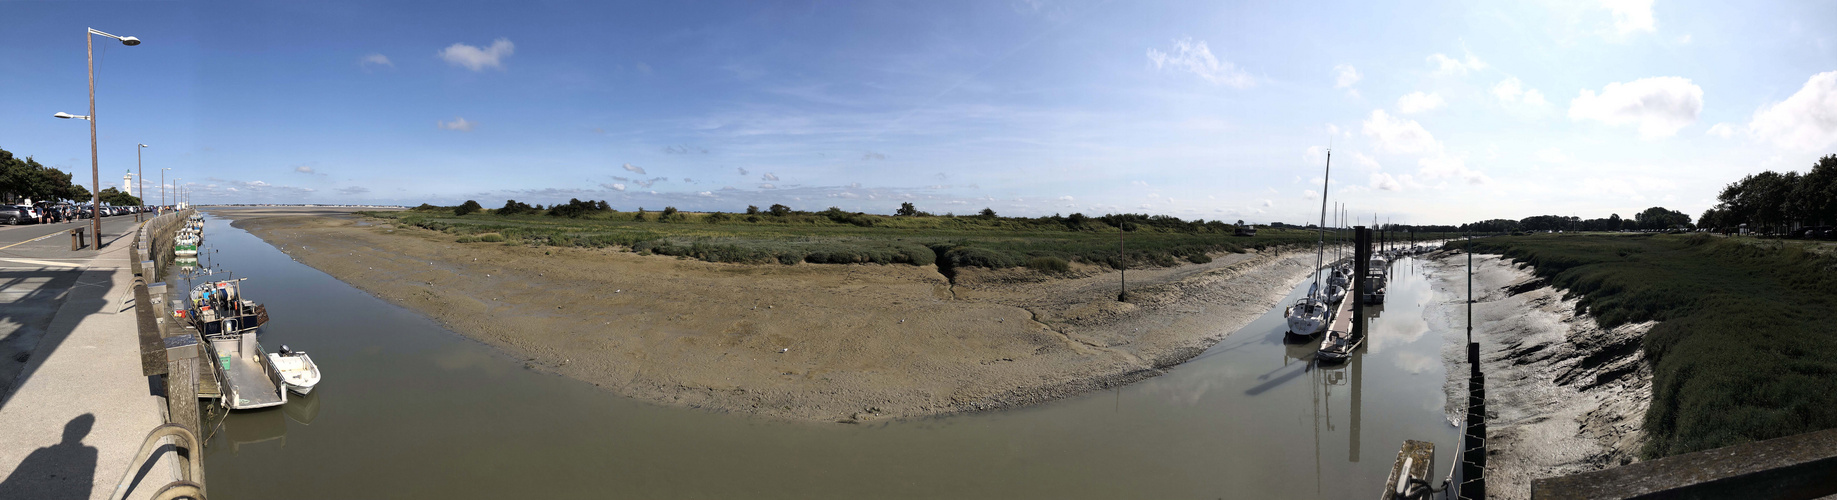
1321	249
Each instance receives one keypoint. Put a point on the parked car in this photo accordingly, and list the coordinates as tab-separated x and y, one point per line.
16	215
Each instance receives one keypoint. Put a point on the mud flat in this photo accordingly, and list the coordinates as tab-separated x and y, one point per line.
1563	395
820	343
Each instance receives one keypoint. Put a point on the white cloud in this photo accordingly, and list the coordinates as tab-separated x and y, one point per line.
1722	130
767	186
1659	105
1194	56
460	124
1305	193
1417	102
634	169
1807	120
375	60
1345	76
1631	15
705	194
1065	198
1448	166
1447	66
477	59
1268	203
614	186
769	177
303	169
1384	181
1512	90
1397	135
1552	155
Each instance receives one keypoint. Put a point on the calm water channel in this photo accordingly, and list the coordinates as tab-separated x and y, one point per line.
409	409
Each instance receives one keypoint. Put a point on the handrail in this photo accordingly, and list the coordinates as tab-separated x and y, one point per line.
192	474
180	489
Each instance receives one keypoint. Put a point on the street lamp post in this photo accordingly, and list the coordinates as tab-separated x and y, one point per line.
162	188
95	174
142	179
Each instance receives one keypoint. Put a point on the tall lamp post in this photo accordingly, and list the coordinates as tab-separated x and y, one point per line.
142	179
162	188
95	175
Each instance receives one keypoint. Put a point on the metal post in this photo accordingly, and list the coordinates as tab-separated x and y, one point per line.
1122	266
140	173
95	165
1469	289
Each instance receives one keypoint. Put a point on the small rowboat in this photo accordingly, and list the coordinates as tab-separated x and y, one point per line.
297	369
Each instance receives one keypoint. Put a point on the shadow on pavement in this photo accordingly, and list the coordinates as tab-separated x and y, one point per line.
60	471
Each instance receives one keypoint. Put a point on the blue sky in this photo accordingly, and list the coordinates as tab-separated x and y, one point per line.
1436	112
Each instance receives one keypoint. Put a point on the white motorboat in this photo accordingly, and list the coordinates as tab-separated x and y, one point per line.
297	369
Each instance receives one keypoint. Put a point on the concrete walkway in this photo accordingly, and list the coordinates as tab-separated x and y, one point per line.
73	420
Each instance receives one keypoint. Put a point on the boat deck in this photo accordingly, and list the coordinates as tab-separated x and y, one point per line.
249	381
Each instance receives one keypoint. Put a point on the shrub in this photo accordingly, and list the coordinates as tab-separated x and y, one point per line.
717	218
469	207
491	237
514	207
1198	258
1048	264
780	210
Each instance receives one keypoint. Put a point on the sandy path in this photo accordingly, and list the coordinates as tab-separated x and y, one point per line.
831	343
1563	395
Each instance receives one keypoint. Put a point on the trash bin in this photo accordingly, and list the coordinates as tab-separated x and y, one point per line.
76	239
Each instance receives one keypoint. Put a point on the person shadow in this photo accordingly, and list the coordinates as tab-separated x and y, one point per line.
60	471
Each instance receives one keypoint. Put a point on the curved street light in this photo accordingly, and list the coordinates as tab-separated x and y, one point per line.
95	174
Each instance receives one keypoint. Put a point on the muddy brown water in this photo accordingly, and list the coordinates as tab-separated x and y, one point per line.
408	409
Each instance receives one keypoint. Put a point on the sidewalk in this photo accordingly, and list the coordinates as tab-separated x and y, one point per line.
73	424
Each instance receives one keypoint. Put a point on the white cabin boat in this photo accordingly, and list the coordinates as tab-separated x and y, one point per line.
297	370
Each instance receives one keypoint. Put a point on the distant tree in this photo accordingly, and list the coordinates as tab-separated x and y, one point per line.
987	213
1077	221
514	207
1661	218
469	207
752	210
906	210
117	198
669	214
640	216
780	210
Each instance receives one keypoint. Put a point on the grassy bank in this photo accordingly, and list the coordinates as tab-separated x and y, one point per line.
1744	349
1048	244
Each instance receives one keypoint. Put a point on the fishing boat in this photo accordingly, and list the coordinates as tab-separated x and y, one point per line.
231	326
1375	280
185	250
1310	315
297	369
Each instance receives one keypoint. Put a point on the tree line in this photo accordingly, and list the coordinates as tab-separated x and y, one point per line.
1774	202
26	179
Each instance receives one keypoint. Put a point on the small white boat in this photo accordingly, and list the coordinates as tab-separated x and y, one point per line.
1338	346
297	369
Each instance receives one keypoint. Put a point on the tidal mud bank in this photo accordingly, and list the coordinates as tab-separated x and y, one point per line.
820	343
1563	394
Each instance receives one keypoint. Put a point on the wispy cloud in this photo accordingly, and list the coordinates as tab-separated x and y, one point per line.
1195	57
1417	102
460	124
1631	15
1512	90
1448	66
304	169
353	190
477	59
634	169
769	177
870	155
375	60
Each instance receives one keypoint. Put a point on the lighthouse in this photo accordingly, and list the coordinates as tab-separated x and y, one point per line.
127	183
